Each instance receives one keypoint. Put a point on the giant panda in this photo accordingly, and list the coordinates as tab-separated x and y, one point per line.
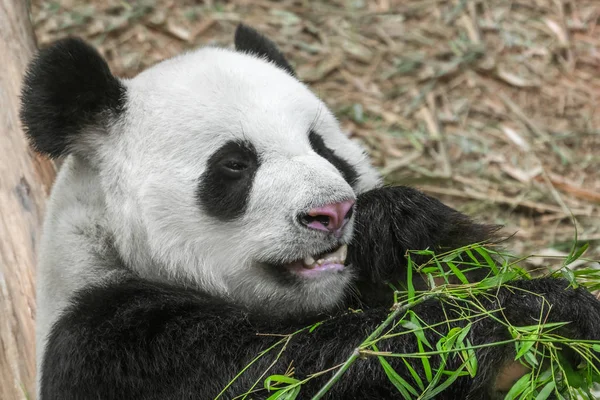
213	202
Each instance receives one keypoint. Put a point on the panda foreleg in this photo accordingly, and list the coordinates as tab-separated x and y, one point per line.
139	340
392	220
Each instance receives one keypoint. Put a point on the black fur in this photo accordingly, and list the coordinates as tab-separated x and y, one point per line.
390	221
225	186
347	170
68	87
248	40
132	339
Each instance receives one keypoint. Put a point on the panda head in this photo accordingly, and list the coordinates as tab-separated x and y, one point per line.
217	168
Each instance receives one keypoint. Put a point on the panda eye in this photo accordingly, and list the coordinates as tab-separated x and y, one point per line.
224	187
235	165
233	168
234	161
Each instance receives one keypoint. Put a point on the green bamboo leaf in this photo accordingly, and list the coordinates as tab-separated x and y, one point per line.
573	377
419	331
536	328
453	376
414	374
471	362
450	257
588	393
447	342
499	279
422	252
483	252
531	358
410	326
442	270
523	347
470	358
546	391
425	362
529	392
559	396
519	387
285	394
576	254
277	395
409	279
545	376
568	274
431	281
456	271
293	393
472	257
274	379
464	332
407	391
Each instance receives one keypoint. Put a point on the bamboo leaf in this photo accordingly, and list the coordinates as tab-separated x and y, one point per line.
519	387
524	347
274	379
456	271
285	394
531	358
454	375
568	274
483	252
572	376
546	391
578	253
409	279
499	279
407	391
414	374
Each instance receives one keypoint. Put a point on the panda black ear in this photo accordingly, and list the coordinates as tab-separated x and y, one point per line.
68	87
248	40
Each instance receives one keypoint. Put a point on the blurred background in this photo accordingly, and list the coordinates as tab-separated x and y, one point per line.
492	106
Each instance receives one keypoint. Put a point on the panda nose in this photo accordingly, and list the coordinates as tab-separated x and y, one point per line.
328	218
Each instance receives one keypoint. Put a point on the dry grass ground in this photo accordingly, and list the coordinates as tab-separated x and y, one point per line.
491	105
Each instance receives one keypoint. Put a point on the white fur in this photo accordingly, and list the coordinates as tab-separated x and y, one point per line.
137	188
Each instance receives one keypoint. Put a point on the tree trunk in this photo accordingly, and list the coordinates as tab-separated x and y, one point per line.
25	180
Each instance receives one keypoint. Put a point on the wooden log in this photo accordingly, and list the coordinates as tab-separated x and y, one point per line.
25	180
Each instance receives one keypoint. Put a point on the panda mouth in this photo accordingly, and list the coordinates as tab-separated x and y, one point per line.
313	266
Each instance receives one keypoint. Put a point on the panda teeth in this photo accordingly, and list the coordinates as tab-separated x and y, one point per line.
343	253
338	257
309	262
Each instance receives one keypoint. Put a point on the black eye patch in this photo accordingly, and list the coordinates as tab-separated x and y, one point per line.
224	188
347	170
